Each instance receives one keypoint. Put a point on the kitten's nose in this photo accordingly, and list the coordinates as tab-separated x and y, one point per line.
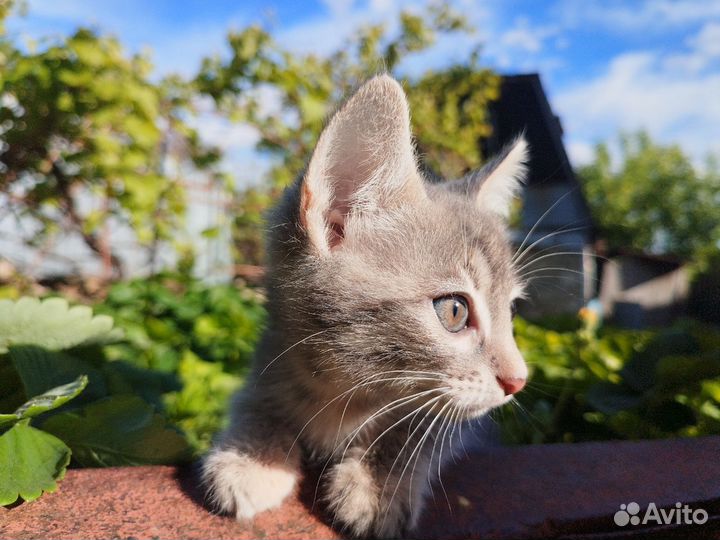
511	386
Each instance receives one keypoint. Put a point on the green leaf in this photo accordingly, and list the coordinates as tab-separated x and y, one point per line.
210	232
40	370
611	398
11	388
125	378
119	430
640	371
52	399
670	416
675	371
52	324
31	462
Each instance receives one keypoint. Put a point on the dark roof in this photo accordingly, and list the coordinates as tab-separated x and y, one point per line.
523	108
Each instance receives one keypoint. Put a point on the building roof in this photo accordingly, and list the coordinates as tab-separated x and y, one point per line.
523	107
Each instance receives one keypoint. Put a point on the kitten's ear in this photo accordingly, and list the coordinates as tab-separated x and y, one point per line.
364	161
496	184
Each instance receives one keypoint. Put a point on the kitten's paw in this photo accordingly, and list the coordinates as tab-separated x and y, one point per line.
239	485
353	496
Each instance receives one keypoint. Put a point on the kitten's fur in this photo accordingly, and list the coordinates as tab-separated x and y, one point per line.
359	247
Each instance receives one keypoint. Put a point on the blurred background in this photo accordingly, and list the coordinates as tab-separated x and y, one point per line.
140	144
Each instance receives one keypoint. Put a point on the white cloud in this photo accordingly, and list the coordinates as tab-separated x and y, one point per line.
338	7
526	38
331	31
580	152
640	91
704	50
326	33
237	142
219	131
645	16
707	41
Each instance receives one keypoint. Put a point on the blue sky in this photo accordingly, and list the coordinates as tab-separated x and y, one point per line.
606	65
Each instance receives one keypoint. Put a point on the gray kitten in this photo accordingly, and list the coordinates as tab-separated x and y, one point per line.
389	303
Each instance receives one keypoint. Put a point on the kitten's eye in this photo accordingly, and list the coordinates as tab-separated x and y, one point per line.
513	309
452	310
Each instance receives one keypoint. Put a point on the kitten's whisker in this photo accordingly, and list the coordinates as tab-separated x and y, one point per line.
402	449
457	418
459	425
552	249
564	229
552	269
532	229
384	410
451	422
303	340
416	450
401	402
536	424
542	257
340	396
554	254
443	422
398	422
537	384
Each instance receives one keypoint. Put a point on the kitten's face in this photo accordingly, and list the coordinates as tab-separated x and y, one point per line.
409	284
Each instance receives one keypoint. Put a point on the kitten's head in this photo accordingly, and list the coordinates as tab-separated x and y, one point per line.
392	282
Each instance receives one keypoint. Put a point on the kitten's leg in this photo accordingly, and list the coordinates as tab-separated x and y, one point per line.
249	469
368	499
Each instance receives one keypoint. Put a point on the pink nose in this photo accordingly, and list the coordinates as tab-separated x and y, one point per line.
511	386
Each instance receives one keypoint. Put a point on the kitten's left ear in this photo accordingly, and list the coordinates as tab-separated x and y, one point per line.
497	183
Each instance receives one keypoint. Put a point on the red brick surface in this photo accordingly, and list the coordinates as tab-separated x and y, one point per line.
558	491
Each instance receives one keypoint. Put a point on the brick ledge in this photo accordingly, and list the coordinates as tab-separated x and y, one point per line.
544	491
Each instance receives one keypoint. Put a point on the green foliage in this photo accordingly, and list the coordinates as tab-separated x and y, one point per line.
52	324
31	462
201	335
655	200
52	399
449	107
79	116
54	374
82	118
96	402
596	384
122	430
168	314
450	117
200	407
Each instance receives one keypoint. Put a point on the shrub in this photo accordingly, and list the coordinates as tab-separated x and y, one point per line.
70	403
593	383
202	335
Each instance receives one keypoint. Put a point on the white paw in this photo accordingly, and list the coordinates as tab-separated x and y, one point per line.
353	497
240	485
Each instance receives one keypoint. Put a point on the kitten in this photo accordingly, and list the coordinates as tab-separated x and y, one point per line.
389	303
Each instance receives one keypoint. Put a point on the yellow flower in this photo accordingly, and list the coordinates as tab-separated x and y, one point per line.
588	316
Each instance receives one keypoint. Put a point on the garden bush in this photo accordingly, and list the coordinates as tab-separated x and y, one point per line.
597	383
201	335
70	403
